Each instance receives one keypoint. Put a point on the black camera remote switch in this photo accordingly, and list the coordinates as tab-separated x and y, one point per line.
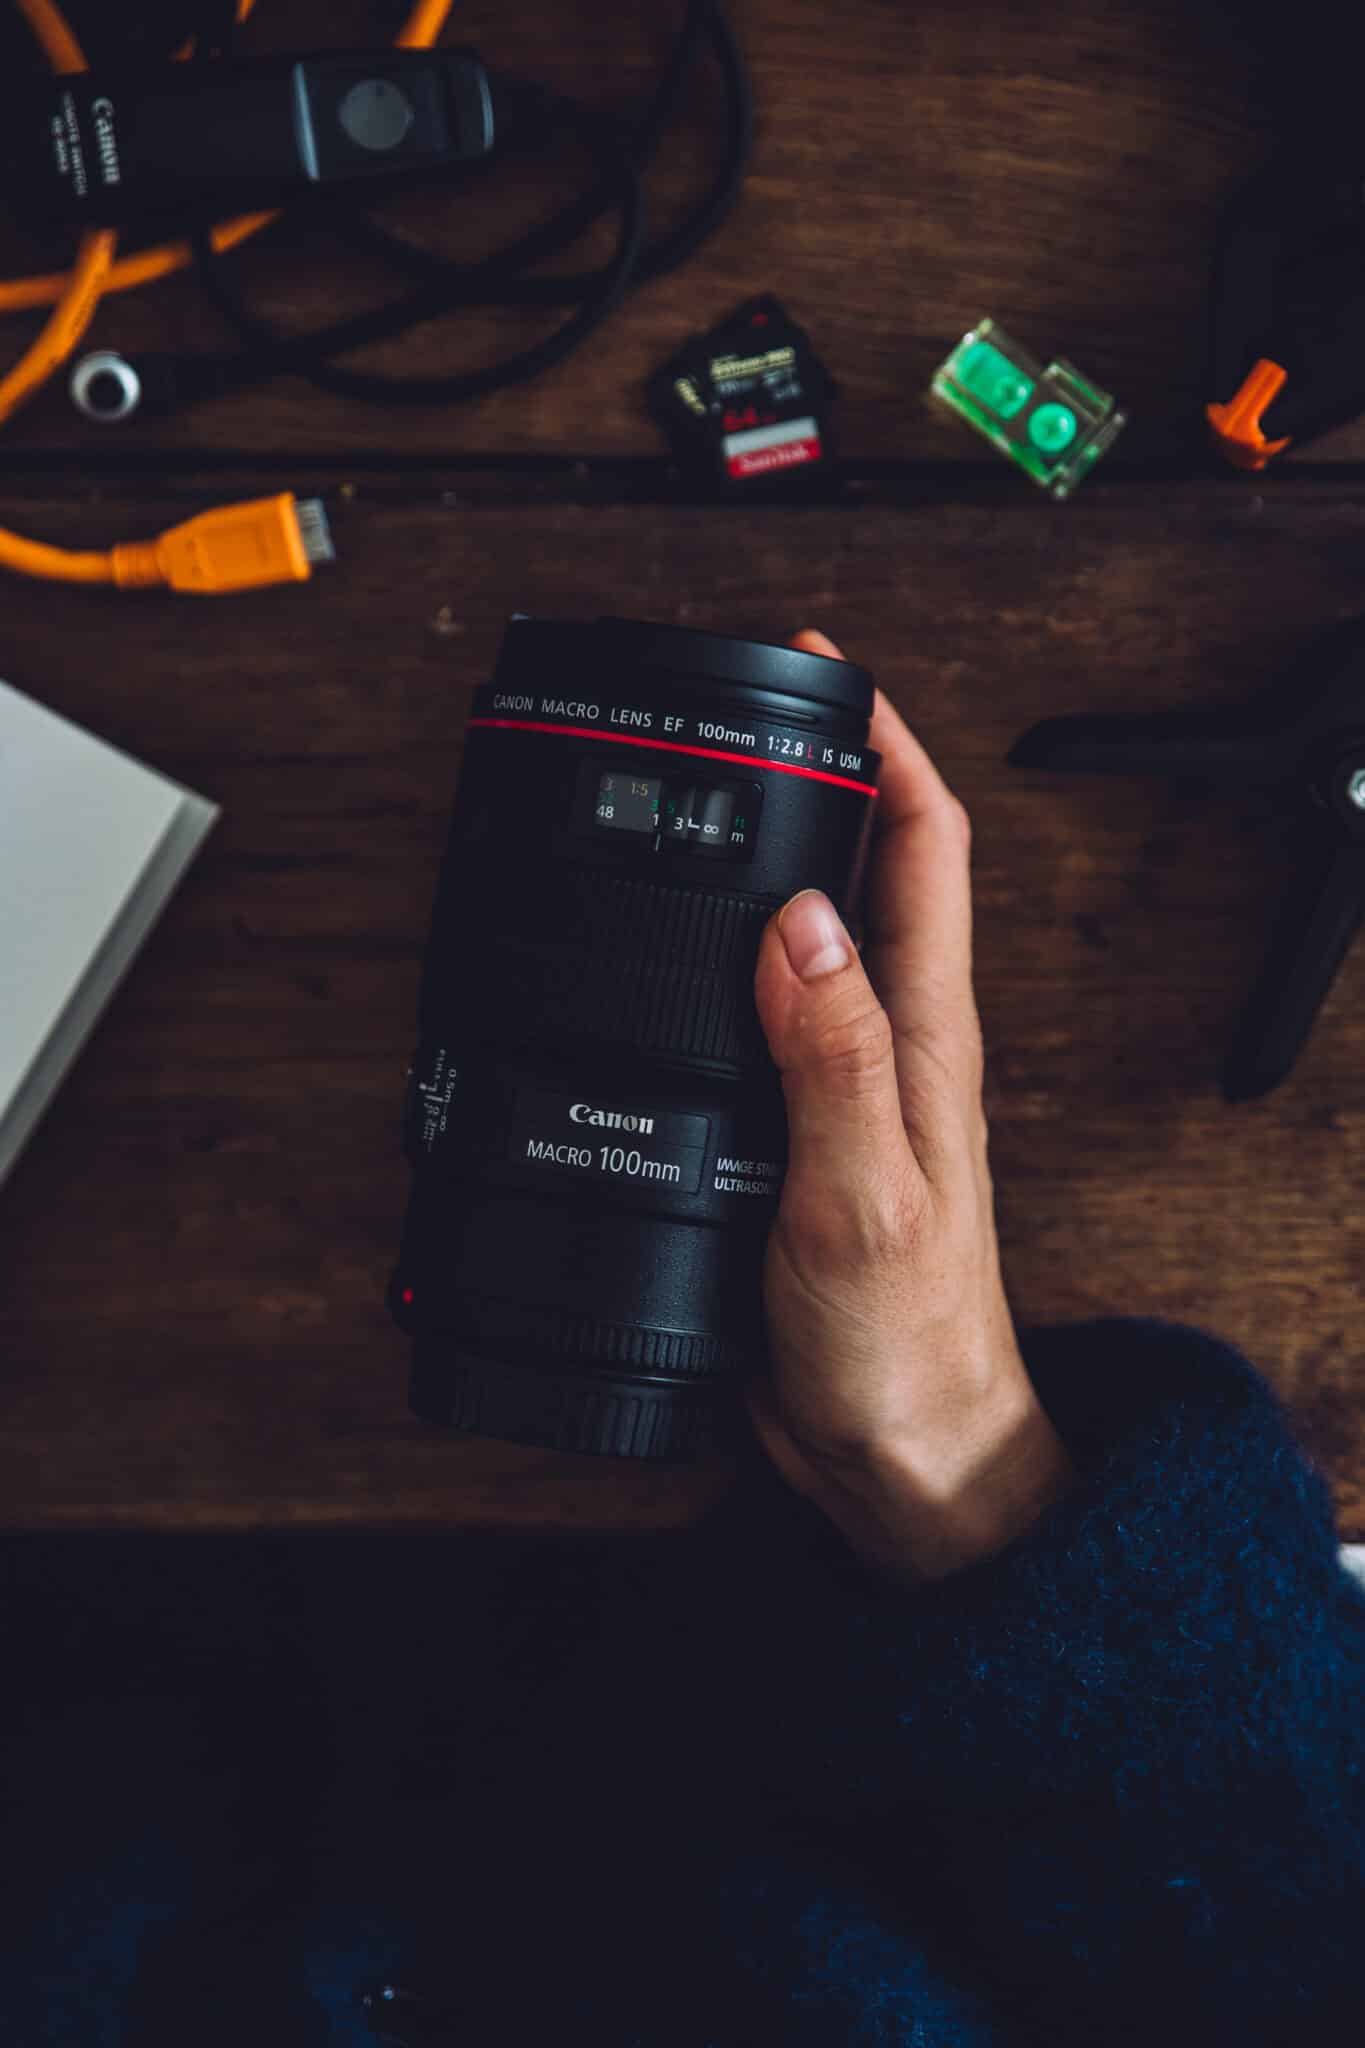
185	140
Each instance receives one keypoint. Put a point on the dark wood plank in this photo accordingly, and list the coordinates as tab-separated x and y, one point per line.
195	1244
917	167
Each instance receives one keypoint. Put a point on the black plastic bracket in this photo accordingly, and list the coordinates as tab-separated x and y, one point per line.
1306	736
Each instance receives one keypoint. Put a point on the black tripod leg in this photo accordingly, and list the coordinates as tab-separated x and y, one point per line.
1319	919
1174	743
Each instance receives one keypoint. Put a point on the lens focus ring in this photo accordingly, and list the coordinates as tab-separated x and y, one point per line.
622	961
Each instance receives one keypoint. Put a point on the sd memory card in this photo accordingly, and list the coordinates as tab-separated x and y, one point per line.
747	402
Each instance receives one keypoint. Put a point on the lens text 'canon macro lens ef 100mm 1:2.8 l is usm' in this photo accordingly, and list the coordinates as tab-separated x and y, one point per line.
595	1128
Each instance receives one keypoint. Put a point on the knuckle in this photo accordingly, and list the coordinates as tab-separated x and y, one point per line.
875	1227
951	1038
961	821
812	1240
854	1046
892	1221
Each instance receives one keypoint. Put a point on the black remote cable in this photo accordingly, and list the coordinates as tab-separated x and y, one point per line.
621	158
269	354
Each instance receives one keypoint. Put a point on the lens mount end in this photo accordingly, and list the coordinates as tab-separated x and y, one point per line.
560	1410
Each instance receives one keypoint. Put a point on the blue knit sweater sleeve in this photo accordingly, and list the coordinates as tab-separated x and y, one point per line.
1130	1750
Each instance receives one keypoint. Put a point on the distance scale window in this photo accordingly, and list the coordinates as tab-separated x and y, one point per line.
682	814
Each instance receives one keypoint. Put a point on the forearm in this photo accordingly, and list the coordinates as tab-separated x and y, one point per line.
1138	1732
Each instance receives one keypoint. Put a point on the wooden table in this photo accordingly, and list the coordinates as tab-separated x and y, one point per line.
193	1249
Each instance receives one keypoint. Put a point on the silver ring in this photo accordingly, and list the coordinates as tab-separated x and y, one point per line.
105	387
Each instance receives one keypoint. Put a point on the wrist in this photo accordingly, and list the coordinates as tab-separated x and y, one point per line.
921	1511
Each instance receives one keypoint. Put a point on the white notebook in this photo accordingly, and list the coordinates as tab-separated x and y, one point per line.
91	846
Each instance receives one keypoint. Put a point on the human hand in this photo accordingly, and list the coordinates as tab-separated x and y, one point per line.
898	1400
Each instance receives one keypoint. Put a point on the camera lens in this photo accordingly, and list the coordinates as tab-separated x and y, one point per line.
595	1128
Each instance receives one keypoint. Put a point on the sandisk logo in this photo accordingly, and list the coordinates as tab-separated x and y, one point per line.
102	112
610	1119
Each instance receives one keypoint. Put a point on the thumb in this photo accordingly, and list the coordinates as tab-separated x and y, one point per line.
833	1045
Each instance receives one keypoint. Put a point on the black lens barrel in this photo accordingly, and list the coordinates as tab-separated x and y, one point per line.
595	1127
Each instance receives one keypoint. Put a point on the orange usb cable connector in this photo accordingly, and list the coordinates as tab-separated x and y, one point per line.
231	548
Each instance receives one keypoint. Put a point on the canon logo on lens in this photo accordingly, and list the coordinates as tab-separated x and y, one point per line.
609	1119
635	803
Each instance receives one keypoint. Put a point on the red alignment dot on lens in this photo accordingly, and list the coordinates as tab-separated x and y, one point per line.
407	1297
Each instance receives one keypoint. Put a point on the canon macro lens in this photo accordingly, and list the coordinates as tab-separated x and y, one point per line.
595	1128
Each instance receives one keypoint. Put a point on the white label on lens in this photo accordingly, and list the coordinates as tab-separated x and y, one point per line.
433	1095
618	1162
561	707
665	1148
748	1176
558	1155
609	1119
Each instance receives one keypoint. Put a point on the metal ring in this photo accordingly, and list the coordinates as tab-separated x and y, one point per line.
105	387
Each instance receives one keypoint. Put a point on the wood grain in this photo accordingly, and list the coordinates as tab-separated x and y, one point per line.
195	1244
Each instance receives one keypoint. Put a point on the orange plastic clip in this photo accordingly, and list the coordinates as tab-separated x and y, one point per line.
1237	425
